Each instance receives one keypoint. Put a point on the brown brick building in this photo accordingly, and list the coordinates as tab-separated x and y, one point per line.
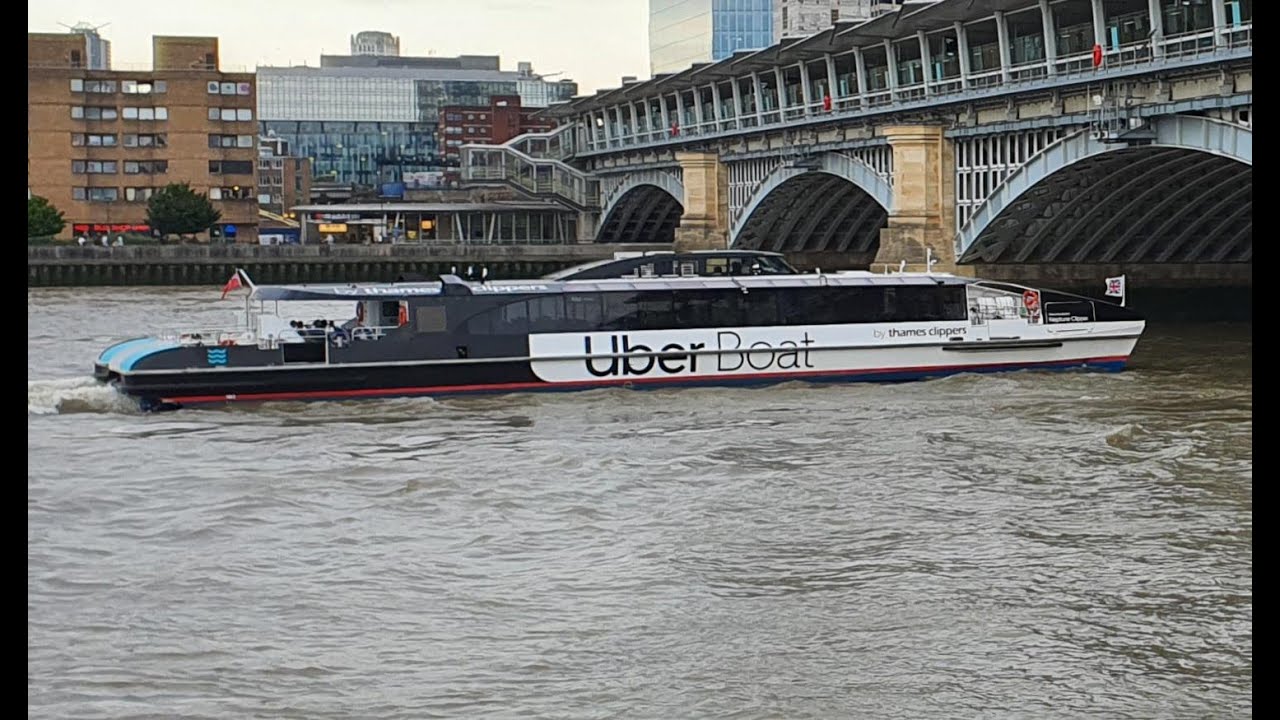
502	120
284	180
99	142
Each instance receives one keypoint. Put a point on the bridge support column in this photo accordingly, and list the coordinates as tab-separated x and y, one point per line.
705	222
923	214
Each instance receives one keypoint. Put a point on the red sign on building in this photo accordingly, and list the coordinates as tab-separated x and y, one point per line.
104	227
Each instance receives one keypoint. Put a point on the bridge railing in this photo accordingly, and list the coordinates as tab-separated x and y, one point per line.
535	176
1068	68
556	144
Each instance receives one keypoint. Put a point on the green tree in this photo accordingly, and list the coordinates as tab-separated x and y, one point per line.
176	209
43	219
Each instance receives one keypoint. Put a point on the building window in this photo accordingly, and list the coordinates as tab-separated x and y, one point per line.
138	194
142	87
93	167
145	113
148	140
231	114
231	167
77	85
105	87
82	140
231	141
93	113
235	192
146	167
95	194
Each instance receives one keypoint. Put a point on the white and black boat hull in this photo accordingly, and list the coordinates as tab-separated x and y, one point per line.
613	360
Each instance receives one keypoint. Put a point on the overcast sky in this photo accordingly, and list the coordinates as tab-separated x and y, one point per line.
595	42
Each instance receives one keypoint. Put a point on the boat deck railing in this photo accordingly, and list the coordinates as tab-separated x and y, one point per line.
245	335
209	335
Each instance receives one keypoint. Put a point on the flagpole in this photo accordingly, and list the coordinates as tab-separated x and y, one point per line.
1124	289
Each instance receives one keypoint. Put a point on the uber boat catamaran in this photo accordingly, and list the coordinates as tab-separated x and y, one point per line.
643	320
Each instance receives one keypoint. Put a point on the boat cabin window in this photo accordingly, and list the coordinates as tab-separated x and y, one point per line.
388	313
747	265
657	268
728	307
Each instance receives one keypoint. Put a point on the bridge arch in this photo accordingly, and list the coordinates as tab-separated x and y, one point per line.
1179	193
829	203
645	207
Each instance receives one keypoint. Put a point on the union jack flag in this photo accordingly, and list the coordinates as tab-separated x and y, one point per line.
1115	286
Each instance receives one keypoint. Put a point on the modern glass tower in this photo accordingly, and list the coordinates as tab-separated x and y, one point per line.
684	32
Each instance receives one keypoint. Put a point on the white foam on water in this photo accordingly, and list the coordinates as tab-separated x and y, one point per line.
75	395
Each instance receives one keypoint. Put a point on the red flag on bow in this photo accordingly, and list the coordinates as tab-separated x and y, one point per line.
232	284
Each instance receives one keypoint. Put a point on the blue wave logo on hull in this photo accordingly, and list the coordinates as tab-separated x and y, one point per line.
216	356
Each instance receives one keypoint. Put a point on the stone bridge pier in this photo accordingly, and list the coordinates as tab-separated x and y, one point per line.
921	221
704	224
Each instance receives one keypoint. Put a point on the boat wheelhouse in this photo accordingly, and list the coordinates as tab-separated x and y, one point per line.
657	319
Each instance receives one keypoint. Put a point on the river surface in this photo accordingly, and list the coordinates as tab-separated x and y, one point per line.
1027	545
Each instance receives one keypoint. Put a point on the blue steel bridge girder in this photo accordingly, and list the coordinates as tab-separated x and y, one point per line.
1188	195
811	205
640	197
634	210
669	218
1246	230
864	209
1093	193
1226	247
804	213
1164	191
836	194
862	235
856	171
1019	205
1203	184
1245	190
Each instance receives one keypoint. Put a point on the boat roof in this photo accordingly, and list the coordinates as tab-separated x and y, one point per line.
456	286
623	256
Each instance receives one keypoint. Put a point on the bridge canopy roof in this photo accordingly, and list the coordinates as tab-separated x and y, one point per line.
841	38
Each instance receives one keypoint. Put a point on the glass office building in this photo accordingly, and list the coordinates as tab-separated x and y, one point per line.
684	32
372	125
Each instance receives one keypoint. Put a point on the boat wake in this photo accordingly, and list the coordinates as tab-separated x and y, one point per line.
75	395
